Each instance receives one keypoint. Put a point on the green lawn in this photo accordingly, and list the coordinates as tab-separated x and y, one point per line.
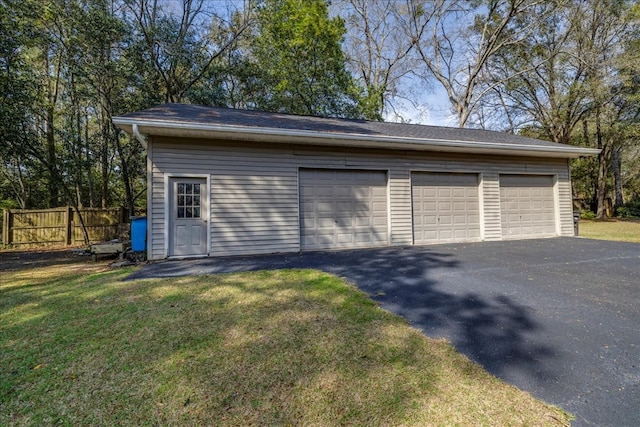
620	230
267	348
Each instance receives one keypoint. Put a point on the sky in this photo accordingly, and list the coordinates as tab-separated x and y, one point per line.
431	108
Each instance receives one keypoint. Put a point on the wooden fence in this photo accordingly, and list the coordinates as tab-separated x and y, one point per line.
61	226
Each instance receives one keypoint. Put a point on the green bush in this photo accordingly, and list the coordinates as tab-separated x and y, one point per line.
629	210
587	215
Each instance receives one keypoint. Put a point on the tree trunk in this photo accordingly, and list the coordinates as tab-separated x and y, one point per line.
54	195
616	165
79	164
125	173
601	186
53	85
89	163
83	227
105	163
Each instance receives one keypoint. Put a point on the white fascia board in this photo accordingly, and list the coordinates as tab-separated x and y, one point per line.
306	137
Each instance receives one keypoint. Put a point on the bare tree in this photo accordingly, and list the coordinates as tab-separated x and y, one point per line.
378	49
459	39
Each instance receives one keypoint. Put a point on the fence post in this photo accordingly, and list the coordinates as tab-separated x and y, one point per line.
68	226
6	224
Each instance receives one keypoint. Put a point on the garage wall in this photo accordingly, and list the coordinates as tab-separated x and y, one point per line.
254	190
253	196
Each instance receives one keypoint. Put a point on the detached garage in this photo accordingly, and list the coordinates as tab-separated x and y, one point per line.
235	182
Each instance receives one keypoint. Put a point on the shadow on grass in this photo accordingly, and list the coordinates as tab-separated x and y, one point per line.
284	347
491	330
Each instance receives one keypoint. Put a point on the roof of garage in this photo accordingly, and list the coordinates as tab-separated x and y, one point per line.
181	120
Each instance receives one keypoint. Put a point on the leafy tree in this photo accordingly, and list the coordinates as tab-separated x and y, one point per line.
567	79
564	70
297	62
178	49
19	92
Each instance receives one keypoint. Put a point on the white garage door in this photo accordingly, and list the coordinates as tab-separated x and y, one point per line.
527	206
446	207
343	209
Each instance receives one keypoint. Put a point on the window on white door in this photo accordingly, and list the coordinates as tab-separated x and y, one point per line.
188	202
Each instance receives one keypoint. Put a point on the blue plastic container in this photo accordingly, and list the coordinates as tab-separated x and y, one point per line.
139	233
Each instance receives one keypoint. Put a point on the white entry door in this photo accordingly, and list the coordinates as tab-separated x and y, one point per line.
189	213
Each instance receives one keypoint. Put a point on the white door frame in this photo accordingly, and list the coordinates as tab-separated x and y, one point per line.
167	209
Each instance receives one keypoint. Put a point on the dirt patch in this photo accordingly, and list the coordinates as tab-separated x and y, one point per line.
13	260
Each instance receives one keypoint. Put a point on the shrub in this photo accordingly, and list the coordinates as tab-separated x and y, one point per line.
629	210
587	215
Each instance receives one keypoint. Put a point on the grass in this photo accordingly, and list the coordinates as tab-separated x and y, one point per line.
266	348
620	230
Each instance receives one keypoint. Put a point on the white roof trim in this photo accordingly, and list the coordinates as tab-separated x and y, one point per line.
308	137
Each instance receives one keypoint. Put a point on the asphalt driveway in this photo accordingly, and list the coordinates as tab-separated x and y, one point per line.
559	317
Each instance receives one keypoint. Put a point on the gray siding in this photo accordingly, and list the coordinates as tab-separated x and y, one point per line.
490	221
565	202
254	189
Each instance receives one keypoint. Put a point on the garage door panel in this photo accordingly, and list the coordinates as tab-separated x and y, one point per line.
528	206
445	207
429	192
345	238
430	235
380	238
445	193
348	208
324	191
430	206
458	193
446	235
379	222
460	219
307	240
380	192
363	237
363	222
460	206
429	220
307	222
344	207
324	239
